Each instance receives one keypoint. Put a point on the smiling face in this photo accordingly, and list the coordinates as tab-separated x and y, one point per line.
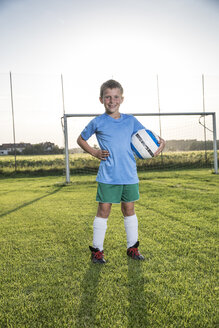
112	99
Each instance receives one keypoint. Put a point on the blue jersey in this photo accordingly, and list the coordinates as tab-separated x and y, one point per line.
115	135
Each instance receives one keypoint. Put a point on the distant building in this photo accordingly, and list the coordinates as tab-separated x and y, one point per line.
48	146
5	149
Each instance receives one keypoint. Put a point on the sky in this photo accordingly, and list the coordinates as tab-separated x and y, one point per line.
158	50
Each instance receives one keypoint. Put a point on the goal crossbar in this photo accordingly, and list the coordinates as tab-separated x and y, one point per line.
147	114
213	114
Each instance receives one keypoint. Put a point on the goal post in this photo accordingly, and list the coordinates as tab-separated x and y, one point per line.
202	114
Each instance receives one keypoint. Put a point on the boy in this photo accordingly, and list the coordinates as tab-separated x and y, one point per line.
117	175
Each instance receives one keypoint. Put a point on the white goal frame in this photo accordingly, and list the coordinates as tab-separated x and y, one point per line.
213	114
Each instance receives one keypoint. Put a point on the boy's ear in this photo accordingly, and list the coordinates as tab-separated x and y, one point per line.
101	100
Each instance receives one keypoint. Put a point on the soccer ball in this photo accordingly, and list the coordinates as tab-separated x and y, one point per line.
144	143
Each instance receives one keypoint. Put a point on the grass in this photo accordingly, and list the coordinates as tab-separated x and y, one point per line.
47	279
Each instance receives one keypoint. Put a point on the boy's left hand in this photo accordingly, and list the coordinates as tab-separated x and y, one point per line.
161	147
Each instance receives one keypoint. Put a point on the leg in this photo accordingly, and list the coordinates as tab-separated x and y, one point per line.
128	208
100	225
103	210
131	223
131	227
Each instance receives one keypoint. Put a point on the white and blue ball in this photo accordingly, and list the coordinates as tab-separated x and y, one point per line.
144	143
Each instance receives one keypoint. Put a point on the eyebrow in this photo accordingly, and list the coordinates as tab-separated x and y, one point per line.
111	95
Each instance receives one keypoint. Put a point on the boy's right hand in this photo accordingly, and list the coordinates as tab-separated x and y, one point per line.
98	153
101	154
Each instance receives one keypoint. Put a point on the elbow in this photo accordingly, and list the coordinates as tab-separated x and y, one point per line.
79	140
162	141
164	144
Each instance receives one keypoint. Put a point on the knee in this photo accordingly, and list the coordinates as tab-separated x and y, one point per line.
128	210
103	214
103	211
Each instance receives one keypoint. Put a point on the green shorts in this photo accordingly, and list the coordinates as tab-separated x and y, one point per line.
109	193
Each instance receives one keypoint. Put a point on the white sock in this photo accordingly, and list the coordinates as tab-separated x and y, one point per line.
131	228
99	230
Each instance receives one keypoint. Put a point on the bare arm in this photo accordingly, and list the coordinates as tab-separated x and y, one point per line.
98	153
161	147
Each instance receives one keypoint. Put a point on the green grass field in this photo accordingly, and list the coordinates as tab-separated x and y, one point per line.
47	279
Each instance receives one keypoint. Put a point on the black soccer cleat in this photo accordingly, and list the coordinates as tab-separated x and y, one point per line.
134	253
97	256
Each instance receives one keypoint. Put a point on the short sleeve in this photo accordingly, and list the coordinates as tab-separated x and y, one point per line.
89	130
137	125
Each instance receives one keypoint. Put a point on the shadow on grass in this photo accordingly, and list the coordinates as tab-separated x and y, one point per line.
137	311
88	309
30	202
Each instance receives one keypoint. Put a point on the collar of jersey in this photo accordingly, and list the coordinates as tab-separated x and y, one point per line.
114	119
